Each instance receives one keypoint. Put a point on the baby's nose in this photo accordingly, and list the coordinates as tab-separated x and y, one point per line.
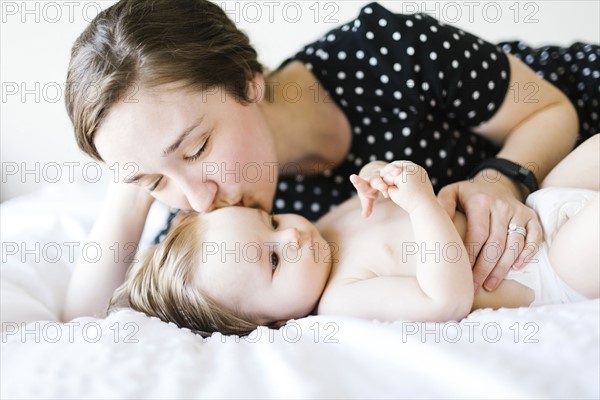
301	238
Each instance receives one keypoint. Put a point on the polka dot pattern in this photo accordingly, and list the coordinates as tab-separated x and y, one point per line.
390	74
575	70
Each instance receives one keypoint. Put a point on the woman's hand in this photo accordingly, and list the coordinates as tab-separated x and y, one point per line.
490	207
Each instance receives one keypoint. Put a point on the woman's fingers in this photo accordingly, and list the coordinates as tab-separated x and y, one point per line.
448	199
495	257
501	250
533	240
522	242
478	230
514	235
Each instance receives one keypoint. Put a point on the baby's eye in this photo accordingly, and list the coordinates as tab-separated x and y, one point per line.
274	261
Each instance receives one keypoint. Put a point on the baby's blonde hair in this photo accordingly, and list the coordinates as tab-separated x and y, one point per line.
162	284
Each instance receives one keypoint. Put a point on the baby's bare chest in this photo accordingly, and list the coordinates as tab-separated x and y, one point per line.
362	248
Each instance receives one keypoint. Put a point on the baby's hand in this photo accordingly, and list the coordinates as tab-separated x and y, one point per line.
368	185
408	184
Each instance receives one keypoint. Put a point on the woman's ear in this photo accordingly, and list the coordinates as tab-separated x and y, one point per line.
256	88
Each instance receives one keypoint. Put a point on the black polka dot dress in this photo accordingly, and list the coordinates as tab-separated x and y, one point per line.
414	88
411	88
575	70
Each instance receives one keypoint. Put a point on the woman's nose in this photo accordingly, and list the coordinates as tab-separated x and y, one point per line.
201	196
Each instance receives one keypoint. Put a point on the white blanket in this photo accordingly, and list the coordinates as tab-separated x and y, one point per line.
544	352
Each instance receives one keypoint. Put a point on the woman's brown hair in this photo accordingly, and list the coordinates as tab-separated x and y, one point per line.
146	43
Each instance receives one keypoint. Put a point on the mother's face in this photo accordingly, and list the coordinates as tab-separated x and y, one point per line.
192	150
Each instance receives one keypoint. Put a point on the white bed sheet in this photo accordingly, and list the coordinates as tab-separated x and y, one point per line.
544	352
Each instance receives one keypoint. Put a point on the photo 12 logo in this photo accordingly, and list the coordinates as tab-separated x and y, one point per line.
70	332
51	12
68	252
492	12
291	332
254	252
469	331
291	12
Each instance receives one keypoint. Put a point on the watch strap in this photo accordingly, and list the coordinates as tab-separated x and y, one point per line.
510	169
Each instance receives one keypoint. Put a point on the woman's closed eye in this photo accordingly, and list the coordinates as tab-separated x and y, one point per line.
198	153
155	185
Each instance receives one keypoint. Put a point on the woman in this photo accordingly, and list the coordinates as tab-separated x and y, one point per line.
184	108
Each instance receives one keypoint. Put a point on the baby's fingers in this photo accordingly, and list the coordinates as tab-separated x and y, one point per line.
361	185
390	173
379	184
370	188
394	168
366	206
363	188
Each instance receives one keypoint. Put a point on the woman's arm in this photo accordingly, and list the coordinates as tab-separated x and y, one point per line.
536	126
119	225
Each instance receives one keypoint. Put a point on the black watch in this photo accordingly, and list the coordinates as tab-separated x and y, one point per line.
510	169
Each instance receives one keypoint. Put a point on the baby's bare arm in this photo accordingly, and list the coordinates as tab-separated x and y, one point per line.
580	169
443	268
443	286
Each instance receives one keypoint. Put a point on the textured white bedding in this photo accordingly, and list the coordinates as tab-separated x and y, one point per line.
544	352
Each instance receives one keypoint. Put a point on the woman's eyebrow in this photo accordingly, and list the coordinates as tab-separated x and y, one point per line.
182	136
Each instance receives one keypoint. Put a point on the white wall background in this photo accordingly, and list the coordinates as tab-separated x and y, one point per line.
37	144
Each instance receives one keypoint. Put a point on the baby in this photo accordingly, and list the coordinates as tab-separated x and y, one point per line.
236	268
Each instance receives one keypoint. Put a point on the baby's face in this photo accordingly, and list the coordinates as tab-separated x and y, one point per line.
271	267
